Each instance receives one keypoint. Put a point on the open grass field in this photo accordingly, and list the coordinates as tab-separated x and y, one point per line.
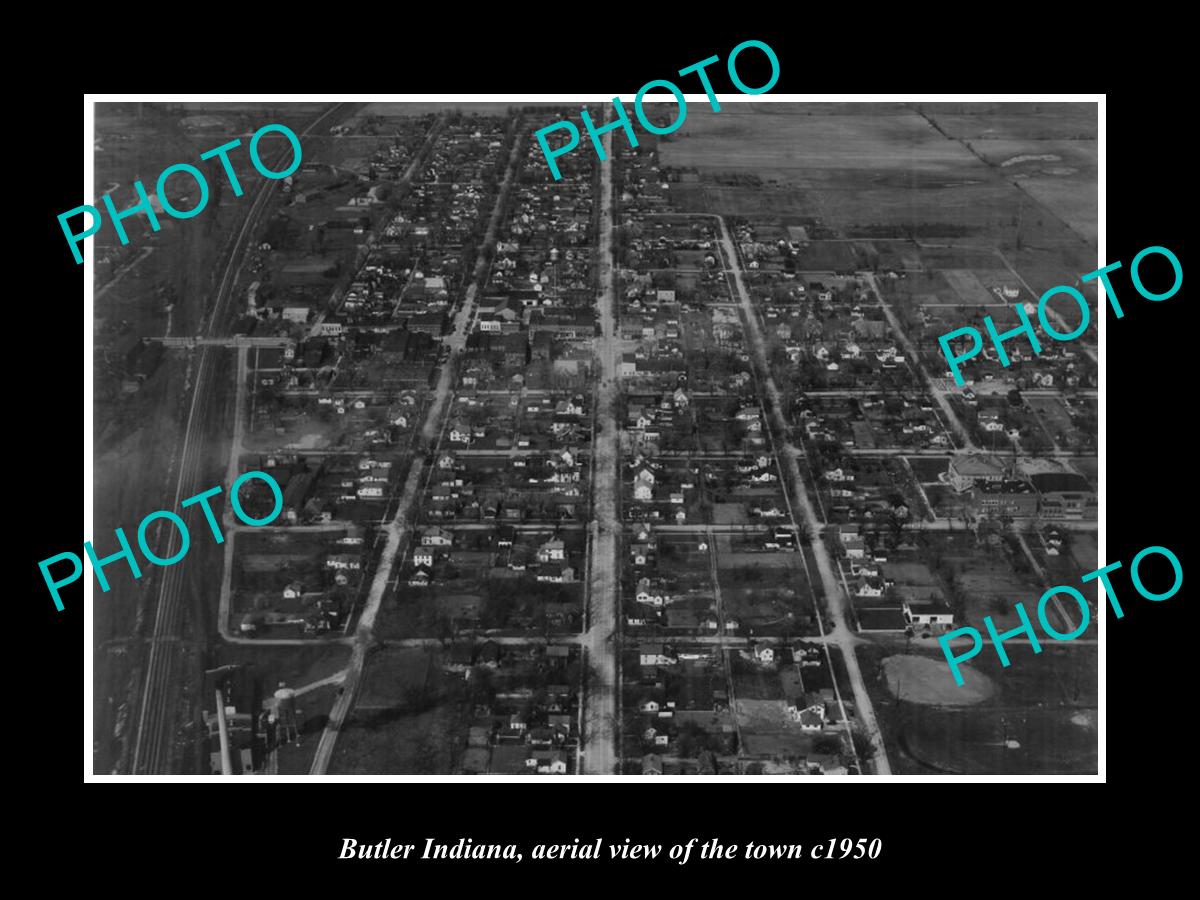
922	679
1054	417
1044	704
409	717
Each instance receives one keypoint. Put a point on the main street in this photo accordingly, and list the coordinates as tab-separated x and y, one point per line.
601	641
156	724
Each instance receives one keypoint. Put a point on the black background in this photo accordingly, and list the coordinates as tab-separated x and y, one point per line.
293	832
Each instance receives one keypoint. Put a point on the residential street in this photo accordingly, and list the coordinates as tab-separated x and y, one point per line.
911	354
841	634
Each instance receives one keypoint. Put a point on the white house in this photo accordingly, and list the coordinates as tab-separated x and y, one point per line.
551	550
928	613
436	537
653	655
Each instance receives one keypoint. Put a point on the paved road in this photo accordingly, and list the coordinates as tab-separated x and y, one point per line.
155	727
397	530
896	451
911	353
1069	623
955	525
840	634
603	702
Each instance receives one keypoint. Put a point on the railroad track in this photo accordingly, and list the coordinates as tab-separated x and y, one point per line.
152	747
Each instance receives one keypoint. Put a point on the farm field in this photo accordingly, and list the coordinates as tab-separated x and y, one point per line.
774	137
886	172
1014	121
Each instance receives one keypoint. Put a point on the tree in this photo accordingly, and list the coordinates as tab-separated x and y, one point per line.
864	747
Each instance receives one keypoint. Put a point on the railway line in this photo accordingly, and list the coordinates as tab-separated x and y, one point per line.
153	744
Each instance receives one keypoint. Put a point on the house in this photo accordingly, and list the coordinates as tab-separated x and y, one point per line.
548	762
644	475
551	550
436	537
556	573
769	512
423	556
647	594
573	407
419	578
868	587
652	764
460	433
812	718
654	655
930	612
628	365
846	533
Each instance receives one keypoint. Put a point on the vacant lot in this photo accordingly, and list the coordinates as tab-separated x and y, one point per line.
409	718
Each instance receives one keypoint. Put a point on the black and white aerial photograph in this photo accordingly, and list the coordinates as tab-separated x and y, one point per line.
514	451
